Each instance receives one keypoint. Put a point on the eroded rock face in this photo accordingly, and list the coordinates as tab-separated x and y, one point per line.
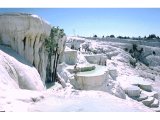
26	33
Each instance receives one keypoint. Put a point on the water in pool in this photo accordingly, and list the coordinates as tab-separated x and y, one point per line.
98	70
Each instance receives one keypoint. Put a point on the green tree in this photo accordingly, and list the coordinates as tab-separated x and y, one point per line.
120	37
134	46
95	36
112	36
139	38
52	47
152	36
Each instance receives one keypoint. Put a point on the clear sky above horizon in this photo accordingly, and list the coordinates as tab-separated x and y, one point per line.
100	21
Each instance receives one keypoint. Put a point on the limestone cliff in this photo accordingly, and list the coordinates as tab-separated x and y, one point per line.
26	33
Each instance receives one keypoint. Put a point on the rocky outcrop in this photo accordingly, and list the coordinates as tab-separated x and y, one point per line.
155	103
148	101
133	91
70	56
75	42
16	72
142	97
96	59
118	91
151	94
146	86
26	33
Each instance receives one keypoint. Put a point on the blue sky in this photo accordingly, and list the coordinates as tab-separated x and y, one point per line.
100	21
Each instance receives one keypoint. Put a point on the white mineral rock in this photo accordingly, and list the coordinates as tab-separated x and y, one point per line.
133	91
16	72
26	35
148	101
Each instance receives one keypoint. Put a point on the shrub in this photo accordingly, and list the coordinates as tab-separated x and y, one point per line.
154	53
134	46
141	50
130	51
72	46
126	49
94	51
133	62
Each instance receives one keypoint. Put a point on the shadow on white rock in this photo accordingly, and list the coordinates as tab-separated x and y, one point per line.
16	72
